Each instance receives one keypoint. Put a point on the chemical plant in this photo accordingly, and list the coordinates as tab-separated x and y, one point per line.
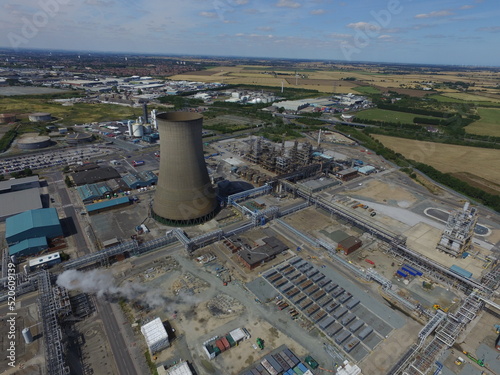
240	255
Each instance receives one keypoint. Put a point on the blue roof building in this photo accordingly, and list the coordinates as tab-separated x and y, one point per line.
42	222
106	205
91	192
141	179
29	247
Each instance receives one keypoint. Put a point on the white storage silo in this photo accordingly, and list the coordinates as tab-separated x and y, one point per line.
137	130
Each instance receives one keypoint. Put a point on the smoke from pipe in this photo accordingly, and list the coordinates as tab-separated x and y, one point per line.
102	283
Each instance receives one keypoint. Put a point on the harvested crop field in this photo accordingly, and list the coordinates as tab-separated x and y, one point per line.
475	161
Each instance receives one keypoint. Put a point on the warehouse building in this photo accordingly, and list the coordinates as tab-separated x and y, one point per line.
16	202
141	179
90	192
252	258
95	175
29	246
156	336
18	184
43	222
349	245
182	368
107	205
347	174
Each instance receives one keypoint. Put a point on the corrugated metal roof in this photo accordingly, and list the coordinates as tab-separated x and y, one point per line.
39	243
8	184
15	202
107	204
155	334
180	369
43	217
44	259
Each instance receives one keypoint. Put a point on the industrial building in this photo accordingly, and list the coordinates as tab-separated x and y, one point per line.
156	336
18	184
45	261
457	236
94	175
293	105
347	174
219	344
181	368
107	205
140	179
91	192
30	230
252	258
19	195
349	245
184	194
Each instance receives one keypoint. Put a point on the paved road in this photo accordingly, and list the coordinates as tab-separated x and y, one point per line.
121	355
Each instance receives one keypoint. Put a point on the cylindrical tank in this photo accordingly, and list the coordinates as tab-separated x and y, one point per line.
130	130
184	194
138	130
28	337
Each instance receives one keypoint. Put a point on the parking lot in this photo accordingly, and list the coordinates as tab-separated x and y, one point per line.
47	159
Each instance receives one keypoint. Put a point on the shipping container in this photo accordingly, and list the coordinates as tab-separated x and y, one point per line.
365	332
351	344
401	273
340	313
302	367
274	363
255	372
230	340
352	303
220	345
348	319
411	272
342	336
419	273
268	367
281	362
356	325
298	371
292	356
326	322
226	343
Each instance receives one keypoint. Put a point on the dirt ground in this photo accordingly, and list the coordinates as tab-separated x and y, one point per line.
382	192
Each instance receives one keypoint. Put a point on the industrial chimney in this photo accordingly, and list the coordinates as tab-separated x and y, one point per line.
184	194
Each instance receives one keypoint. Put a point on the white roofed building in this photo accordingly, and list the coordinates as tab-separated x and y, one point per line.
156	335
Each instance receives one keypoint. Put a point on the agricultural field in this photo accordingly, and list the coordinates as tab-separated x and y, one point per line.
489	124
477	163
367	90
471	97
68	115
391	116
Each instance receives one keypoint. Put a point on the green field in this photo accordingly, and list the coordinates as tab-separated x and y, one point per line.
448	99
367	90
390	116
78	113
489	124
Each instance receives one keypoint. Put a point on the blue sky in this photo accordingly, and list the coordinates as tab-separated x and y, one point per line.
465	32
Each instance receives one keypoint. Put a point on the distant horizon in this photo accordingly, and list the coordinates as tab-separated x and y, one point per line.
455	32
199	56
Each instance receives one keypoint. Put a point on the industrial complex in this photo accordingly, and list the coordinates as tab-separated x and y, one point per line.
240	255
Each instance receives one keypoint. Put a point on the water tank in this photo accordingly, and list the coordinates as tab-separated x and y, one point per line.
28	337
130	131
137	130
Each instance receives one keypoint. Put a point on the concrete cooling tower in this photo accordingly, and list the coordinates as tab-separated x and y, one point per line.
184	194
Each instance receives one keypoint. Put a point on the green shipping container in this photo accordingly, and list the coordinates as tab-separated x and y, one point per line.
231	341
298	371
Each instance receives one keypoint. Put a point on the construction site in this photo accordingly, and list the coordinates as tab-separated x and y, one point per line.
322	249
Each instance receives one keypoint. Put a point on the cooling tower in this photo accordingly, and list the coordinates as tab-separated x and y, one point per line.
184	194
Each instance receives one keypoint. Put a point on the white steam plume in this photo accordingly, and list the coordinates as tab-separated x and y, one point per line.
102	283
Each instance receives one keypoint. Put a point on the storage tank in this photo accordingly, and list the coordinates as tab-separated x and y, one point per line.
130	130
28	337
137	130
184	194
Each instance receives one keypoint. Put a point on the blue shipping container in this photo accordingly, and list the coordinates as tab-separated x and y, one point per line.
302	367
413	273
413	269
402	274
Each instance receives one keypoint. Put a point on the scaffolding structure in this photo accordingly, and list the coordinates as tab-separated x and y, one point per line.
457	235
49	311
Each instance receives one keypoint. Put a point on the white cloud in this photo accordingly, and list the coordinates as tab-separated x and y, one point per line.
363	25
240	2
208	14
288	4
463	7
316	12
438	13
385	37
339	35
265	28
252	11
491	29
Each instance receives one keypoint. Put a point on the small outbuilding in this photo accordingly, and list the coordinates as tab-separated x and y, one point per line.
349	245
156	336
